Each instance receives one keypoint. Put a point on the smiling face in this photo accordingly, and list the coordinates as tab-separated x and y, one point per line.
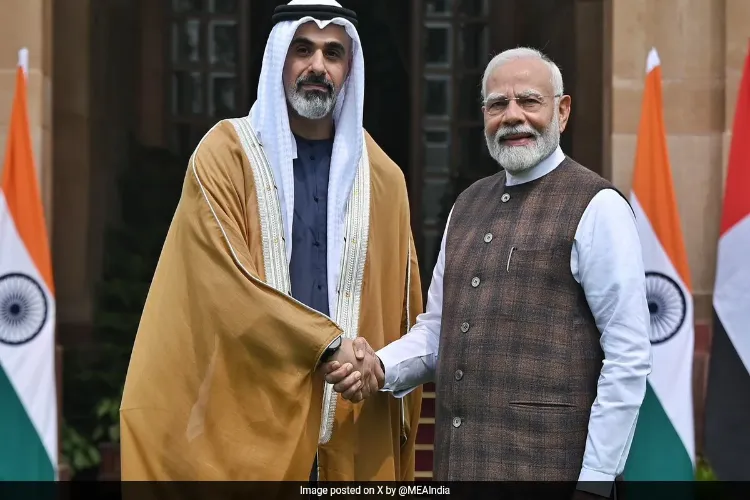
316	67
522	118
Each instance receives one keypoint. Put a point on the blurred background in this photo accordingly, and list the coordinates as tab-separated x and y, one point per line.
120	92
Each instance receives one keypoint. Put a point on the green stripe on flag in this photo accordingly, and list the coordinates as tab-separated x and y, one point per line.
657	453
23	456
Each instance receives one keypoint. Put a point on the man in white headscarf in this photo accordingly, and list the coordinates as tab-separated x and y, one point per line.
291	240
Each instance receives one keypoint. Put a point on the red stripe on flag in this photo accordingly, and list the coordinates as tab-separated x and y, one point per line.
737	191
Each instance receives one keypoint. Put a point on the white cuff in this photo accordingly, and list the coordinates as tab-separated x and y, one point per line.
595	482
391	370
401	394
391	375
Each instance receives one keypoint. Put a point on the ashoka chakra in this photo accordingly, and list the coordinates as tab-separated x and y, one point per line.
666	305
23	308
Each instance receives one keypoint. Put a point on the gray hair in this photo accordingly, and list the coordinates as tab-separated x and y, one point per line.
523	53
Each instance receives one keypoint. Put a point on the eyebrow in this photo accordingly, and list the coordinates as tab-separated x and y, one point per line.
301	40
495	96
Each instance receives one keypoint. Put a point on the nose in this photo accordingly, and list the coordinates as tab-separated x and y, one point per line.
513	114
317	63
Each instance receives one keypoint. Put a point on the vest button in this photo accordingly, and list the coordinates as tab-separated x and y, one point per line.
464	327
456	421
505	197
475	282
488	237
459	374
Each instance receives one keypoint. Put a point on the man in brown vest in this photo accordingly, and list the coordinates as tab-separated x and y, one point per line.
536	327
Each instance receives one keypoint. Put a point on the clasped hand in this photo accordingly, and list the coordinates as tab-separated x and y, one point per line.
354	370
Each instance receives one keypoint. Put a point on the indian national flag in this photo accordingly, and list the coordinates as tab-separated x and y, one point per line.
663	446
28	399
728	394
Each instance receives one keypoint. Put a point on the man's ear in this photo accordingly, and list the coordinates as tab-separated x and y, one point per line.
564	111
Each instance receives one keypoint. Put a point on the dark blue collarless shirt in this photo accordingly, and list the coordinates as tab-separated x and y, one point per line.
308	270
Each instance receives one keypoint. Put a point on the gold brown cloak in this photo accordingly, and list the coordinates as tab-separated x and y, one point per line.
223	381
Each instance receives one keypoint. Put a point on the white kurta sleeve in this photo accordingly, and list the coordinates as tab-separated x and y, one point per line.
411	360
607	262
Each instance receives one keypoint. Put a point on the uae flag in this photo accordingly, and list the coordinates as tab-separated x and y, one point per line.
663	446
28	399
727	431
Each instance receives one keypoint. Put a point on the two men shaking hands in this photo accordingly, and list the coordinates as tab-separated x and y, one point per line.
354	370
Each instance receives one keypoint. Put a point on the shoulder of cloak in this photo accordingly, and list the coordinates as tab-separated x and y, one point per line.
219	155
383	167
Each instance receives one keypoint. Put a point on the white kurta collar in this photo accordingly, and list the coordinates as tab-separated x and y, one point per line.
537	171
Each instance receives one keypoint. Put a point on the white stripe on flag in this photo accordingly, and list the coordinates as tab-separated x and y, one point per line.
30	367
671	373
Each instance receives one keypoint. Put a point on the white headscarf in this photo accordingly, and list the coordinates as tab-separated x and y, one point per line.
270	120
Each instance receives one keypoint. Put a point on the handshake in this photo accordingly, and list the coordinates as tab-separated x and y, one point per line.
354	370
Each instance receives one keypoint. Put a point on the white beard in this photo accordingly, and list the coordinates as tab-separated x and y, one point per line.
312	105
515	159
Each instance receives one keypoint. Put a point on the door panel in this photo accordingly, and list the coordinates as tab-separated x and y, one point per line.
207	45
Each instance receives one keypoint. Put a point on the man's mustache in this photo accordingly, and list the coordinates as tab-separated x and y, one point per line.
504	133
315	80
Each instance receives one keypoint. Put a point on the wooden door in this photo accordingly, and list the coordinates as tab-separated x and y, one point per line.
206	47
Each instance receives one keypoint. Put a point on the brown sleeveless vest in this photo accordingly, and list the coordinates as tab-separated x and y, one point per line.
519	354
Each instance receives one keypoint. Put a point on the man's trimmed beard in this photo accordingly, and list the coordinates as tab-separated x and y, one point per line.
312	104
516	159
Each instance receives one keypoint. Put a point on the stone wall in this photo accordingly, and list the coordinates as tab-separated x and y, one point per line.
702	45
60	128
72	123
690	38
